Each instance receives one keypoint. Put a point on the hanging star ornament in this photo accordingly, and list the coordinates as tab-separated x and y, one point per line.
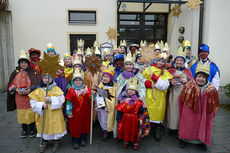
50	65
112	33
176	10
193	4
148	54
93	64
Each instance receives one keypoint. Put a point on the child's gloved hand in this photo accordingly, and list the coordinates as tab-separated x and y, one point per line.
27	91
19	91
45	106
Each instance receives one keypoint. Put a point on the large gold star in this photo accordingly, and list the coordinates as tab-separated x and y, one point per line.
50	65
112	33
176	10
193	4
148	54
93	64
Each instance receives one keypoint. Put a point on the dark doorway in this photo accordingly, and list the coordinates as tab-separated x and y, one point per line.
88	38
134	27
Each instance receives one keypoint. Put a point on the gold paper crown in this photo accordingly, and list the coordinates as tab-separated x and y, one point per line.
79	52
23	55
67	55
133	83
88	52
151	45
97	51
143	43
181	53
186	43
106	51
163	56
109	70
78	74
49	45
157	47
203	67
77	61
161	45
80	43
166	48
129	58
123	43
96	44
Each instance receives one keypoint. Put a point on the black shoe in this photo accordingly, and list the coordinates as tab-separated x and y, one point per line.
32	130
182	144
203	147
105	136
83	143
32	134
43	146
23	134
158	134
56	146
76	145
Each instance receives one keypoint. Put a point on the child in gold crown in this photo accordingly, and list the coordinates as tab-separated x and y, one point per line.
78	109
128	113
54	123
198	102
106	107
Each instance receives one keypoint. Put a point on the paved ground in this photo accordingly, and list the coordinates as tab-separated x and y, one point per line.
10	141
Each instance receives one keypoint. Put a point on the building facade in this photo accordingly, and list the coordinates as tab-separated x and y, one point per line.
36	23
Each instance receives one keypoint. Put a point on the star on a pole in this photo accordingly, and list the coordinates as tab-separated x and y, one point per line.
50	65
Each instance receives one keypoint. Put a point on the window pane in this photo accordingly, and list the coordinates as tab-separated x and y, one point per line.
148	33
160	34
161	20
129	32
129	22
129	17
82	17
149	17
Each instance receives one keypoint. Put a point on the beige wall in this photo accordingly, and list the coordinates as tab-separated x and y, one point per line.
36	23
189	19
216	35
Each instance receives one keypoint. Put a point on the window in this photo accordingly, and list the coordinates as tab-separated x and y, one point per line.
82	17
134	27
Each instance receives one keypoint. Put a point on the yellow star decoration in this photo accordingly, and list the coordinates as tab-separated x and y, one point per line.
50	65
93	64
148	54
193	4
112	33
176	10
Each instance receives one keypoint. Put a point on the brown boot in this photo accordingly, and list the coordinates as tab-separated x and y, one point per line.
43	146
56	145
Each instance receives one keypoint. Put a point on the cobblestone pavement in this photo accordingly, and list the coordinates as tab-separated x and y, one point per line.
10	141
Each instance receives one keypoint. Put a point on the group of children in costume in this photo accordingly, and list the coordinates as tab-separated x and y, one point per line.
166	92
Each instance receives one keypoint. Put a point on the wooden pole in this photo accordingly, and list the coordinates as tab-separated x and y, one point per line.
44	112
91	117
